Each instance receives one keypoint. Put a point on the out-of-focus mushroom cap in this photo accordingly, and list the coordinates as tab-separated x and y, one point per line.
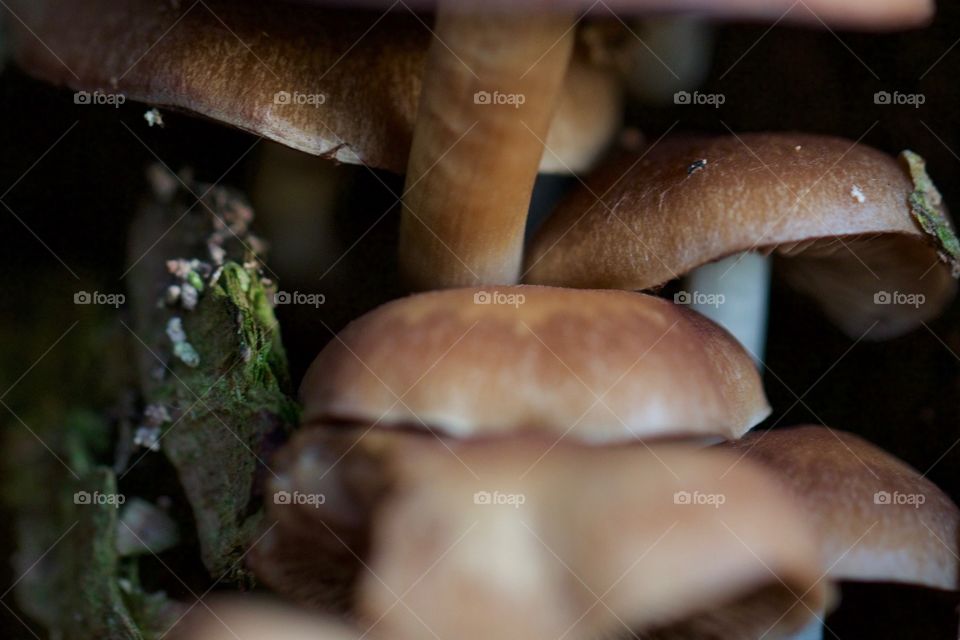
878	519
256	618
335	83
841	212
519	538
597	366
852	14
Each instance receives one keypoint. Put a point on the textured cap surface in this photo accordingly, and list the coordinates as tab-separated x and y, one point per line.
336	83
840	211
598	366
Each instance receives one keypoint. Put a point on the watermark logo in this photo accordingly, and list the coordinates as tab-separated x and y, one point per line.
896	98
711	99
914	300
300	99
496	498
115	300
699	298
297	498
899	499
697	498
99	98
498	297
97	498
497	98
296	297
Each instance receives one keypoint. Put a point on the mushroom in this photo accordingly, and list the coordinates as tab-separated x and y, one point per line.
602	366
492	538
877	519
862	233
330	82
474	159
256	618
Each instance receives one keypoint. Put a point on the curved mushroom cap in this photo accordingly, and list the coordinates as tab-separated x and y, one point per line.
492	538
878	519
848	217
256	618
597	366
853	14
339	84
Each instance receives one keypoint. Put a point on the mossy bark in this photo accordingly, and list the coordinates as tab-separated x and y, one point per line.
221	373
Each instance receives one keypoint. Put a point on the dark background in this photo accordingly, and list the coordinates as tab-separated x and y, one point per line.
900	394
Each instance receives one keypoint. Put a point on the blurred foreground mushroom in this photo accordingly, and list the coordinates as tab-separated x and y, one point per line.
877	519
865	235
494	539
256	618
600	366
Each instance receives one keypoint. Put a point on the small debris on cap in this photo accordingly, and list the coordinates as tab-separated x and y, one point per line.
696	165
857	194
153	117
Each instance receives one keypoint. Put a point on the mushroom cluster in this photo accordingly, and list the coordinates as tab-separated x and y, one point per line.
573	456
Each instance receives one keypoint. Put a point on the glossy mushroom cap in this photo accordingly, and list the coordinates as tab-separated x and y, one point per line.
596	366
483	539
878	519
845	218
335	83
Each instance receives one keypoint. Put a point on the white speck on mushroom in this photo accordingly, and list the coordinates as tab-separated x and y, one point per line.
857	194
798	147
153	117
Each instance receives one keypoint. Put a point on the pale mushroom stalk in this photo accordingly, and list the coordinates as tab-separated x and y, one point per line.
813	630
492	82
734	292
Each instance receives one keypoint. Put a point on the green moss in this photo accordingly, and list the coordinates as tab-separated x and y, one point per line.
229	400
79	588
926	204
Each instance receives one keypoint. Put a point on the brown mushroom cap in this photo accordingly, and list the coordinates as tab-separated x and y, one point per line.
598	366
841	212
878	519
854	14
482	539
229	60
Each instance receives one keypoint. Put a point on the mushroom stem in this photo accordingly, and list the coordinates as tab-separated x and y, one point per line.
733	292
813	630
491	85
